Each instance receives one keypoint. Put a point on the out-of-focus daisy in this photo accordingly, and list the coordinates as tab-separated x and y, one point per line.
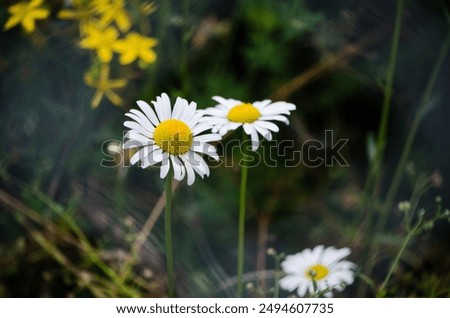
256	118
26	13
325	266
170	137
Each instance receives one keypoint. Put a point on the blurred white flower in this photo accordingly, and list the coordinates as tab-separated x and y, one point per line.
325	266
172	138
256	118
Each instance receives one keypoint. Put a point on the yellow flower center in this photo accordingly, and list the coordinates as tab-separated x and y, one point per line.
316	272
173	136
244	113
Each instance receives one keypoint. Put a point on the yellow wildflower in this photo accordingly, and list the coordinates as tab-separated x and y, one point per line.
113	11
101	40
26	13
104	86
136	46
82	11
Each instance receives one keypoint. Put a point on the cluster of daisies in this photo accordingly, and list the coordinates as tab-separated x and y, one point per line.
177	137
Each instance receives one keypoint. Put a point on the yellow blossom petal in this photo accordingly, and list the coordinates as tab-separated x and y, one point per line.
104	54
12	22
28	24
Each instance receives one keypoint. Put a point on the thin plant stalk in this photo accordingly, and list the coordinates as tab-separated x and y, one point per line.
168	235
405	243
412	134
388	90
241	226
398	174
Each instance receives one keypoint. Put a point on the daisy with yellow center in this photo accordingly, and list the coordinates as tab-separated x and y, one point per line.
323	267
26	13
255	118
171	137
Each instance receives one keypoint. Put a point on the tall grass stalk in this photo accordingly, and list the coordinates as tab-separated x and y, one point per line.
398	174
374	170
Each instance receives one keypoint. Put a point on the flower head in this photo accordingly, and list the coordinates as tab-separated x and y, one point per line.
323	267
256	118
170	137
26	13
113	11
101	40
80	10
104	85
136	46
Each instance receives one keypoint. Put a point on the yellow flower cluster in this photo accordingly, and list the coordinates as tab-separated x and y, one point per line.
101	22
105	28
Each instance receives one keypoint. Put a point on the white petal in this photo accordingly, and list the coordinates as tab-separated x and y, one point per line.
248	128
165	167
148	111
140	155
180	107
189	170
195	119
229	103
178	168
201	127
198	164
140	118
216	112
206	148
303	288
255	140
207	138
276	117
189	113
263	132
135	126
268	125
262	104
167	108
289	282
153	158
136	140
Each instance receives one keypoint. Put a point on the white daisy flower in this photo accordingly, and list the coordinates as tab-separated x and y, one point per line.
172	138
256	118
323	265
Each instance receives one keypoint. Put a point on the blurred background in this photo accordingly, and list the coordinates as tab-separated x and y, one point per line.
77	221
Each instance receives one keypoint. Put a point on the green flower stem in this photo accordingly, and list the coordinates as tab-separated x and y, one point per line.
411	233
241	227
168	234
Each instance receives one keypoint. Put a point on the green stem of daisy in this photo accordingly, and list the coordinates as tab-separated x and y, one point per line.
241	227
168	234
